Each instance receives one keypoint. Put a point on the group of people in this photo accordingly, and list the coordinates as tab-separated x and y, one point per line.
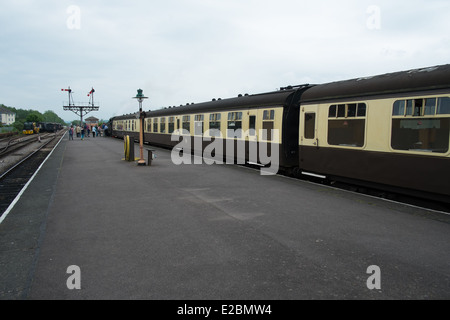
86	130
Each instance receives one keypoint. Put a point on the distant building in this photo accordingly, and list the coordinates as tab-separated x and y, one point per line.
91	121
7	116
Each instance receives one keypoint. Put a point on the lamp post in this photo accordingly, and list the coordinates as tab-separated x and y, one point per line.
140	97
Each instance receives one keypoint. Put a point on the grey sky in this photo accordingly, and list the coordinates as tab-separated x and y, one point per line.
183	51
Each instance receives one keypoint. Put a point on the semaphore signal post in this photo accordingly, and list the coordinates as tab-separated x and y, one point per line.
80	108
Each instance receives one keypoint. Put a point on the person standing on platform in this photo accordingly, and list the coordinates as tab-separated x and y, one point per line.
71	133
82	133
94	131
78	131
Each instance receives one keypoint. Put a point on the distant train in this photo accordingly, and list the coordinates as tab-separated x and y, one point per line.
50	127
388	132
30	128
33	127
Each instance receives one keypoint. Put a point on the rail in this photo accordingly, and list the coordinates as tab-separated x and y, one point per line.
26	158
18	143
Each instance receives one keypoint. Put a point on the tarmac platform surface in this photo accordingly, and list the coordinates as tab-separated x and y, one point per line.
215	232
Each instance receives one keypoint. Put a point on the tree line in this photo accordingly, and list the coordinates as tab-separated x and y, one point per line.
30	115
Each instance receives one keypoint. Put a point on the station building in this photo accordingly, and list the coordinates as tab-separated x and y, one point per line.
7	116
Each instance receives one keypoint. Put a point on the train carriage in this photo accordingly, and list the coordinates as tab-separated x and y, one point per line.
250	122
49	127
389	132
126	125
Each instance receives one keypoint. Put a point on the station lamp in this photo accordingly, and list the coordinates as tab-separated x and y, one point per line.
140	97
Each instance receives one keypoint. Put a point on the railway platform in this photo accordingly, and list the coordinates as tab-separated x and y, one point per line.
93	226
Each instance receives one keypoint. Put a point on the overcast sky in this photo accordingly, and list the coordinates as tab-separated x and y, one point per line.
184	51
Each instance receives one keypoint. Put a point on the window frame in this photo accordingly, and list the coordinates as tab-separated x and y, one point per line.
339	112
406	118
155	125
186	119
199	118
236	118
162	125
171	125
215	124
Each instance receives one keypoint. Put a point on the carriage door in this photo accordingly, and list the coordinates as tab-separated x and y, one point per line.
252	126
308	126
251	149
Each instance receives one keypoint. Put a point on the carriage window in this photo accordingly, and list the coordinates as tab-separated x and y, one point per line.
162	125
187	123
421	125
214	124
443	105
418	106
234	125
425	134
269	115
198	125
347	110
399	108
362	109
149	125
346	125
252	125
422	107
341	111
332	112
409	107
310	125
351	112
155	125
268	124
171	124
430	106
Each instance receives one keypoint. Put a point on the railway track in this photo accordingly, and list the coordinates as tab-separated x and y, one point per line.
383	194
11	145
15	178
7	135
